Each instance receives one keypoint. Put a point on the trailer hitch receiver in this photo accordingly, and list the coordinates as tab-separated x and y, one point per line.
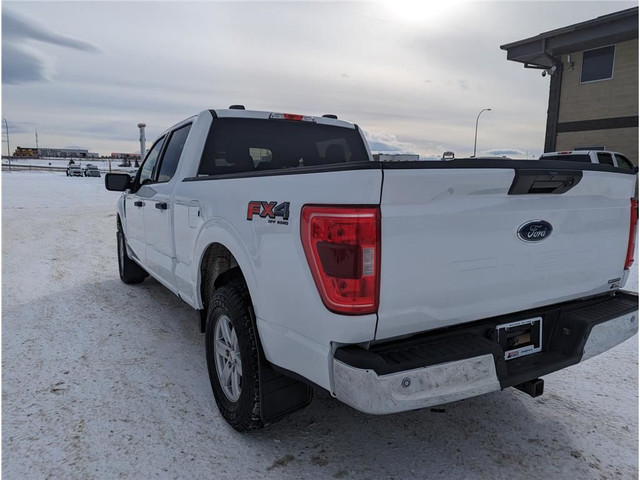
535	388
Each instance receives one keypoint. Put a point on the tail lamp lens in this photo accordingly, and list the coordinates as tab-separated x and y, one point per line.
633	224
342	245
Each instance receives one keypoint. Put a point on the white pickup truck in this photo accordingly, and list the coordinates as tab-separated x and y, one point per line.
393	286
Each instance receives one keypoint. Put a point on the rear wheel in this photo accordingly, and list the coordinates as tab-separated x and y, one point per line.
233	357
130	271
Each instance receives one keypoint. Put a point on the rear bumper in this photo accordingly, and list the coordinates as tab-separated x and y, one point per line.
446	366
609	334
369	392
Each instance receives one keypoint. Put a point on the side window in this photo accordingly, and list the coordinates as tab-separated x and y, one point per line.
149	166
597	64
605	159
172	153
624	162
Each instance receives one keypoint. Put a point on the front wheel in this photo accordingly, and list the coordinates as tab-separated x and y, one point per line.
130	271
233	358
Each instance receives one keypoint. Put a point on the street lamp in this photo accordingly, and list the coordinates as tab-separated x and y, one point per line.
7	130
475	142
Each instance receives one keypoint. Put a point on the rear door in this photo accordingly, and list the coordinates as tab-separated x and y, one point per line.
158	215
462	244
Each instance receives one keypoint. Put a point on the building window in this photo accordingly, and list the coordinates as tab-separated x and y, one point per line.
589	148
597	64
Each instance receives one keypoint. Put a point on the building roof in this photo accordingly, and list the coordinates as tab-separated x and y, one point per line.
539	51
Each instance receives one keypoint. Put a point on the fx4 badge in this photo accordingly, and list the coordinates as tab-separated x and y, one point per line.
270	210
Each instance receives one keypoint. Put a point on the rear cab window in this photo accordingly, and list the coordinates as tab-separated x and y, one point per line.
240	145
568	158
605	158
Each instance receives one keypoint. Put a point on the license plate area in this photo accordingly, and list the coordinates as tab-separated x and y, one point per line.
520	338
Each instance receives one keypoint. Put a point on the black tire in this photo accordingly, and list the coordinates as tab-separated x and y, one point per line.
231	304
130	271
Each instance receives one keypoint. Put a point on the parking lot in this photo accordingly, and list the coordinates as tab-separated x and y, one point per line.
106	380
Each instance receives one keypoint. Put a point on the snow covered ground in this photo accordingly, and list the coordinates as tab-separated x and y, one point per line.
104	380
17	163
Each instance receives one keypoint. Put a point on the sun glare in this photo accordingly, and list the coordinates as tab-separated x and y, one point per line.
421	11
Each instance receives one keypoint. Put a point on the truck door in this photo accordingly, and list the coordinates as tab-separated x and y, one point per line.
158	214
137	201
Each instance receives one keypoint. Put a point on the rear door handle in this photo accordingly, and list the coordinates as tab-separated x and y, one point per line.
138	203
162	205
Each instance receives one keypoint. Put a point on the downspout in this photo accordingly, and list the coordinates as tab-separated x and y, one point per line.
553	110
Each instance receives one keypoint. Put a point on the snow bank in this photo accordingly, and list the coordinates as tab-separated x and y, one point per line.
105	380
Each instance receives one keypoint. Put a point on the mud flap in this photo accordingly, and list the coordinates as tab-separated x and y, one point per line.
280	394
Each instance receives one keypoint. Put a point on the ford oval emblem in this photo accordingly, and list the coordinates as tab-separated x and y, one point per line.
535	231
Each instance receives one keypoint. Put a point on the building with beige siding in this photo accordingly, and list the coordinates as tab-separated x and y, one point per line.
593	92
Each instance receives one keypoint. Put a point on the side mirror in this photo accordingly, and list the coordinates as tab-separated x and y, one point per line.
117	182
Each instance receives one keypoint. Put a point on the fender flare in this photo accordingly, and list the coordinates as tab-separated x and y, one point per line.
219	231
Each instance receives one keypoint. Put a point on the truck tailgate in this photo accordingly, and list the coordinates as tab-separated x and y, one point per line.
452	253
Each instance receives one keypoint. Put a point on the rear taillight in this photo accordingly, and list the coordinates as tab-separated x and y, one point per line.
631	247
342	245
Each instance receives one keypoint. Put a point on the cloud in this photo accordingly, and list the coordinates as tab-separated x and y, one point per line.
382	147
505	152
384	142
17	28
21	62
20	65
18	127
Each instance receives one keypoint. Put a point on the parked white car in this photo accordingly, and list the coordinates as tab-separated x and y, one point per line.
74	171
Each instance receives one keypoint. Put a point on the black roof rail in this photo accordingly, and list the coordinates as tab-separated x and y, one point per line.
236	107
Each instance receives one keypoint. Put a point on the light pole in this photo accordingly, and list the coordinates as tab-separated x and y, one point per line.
6	127
475	142
141	126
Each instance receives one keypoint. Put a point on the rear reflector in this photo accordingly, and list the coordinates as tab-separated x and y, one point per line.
633	224
342	246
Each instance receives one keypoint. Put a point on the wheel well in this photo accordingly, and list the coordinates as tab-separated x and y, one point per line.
218	268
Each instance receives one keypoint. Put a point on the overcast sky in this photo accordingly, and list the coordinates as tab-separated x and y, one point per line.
412	74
